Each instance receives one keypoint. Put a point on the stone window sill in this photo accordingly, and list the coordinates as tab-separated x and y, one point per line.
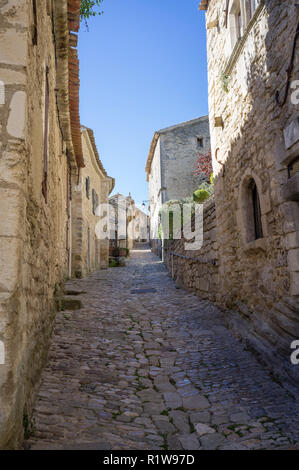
255	246
240	44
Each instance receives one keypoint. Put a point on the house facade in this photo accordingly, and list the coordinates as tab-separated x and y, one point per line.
171	165
91	189
141	224
125	223
41	162
255	147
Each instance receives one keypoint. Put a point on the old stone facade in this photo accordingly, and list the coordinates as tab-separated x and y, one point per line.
40	156
255	148
171	164
141	226
196	270
91	189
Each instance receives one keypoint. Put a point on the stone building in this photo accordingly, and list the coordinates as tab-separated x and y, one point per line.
121	223
255	146
40	150
91	188
141	226
171	164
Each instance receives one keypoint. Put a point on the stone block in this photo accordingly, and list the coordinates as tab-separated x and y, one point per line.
294	285
292	240
291	133
11	208
290	190
9	260
16	119
293	259
15	12
15	50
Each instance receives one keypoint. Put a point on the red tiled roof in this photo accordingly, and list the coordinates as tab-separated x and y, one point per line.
204	5
74	81
73	7
94	146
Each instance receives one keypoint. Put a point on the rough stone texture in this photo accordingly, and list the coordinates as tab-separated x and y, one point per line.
34	234
258	278
200	275
101	385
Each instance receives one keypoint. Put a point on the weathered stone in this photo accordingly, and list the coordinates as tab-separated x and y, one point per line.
172	400
196	402
189	442
211	441
203	429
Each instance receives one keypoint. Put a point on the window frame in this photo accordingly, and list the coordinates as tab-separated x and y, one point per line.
256	206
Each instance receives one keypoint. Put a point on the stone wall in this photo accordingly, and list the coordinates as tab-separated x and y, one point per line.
196	270
91	188
155	191
259	278
34	220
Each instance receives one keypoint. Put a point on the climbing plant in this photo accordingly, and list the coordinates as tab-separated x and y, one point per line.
89	8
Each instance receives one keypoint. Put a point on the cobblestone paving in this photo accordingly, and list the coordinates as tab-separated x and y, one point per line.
154	370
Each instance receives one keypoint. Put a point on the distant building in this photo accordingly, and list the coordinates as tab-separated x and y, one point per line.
127	224
171	165
121	227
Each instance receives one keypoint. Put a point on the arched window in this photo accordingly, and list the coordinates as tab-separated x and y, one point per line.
34	35
256	210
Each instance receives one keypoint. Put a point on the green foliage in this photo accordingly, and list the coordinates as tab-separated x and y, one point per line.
200	195
113	263
28	425
204	191
225	80
89	8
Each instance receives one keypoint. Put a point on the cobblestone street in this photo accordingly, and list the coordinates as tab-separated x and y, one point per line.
154	370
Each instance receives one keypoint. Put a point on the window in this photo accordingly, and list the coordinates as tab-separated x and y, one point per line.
95	201
87	186
238	19
236	22
34	35
250	7
199	142
254	5
293	167
46	134
257	218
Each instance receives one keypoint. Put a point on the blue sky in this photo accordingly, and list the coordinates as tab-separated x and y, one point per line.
142	68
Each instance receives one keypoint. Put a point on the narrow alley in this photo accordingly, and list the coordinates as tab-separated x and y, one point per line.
145	365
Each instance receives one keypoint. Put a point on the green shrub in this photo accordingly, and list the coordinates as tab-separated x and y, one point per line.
200	195
204	191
